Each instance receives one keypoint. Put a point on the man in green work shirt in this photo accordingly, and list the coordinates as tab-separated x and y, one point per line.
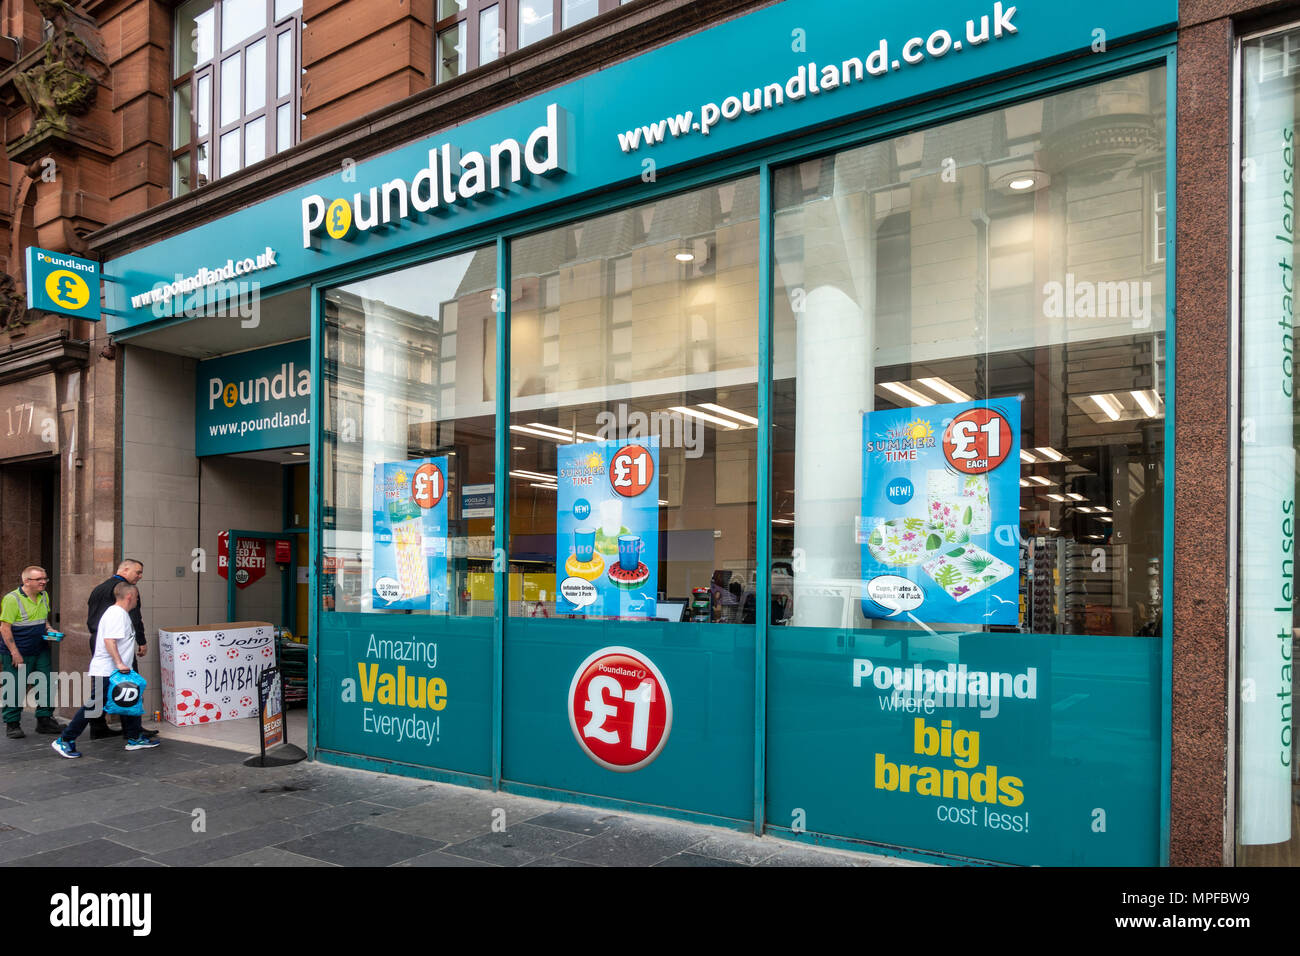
24	620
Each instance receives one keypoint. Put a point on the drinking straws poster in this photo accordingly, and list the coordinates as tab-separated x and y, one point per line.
607	528
937	483
410	535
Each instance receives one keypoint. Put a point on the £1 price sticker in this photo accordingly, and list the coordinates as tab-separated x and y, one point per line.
428	485
977	441
620	709
631	470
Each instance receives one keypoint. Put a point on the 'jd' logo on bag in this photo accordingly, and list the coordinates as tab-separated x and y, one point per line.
124	695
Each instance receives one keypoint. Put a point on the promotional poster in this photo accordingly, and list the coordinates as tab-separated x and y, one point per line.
607	528
940	513
410	535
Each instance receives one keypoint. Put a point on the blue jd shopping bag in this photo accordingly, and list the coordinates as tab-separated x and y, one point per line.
125	694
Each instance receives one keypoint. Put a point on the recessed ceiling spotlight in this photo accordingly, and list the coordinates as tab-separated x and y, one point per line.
1021	184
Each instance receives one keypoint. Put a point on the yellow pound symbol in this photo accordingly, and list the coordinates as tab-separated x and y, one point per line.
231	395
67	289
338	218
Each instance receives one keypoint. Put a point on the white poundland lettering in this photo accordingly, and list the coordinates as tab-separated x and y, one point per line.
450	178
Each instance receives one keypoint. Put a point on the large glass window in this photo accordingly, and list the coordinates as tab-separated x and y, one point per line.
234	61
1003	260
1268	803
634	358
472	33
409	454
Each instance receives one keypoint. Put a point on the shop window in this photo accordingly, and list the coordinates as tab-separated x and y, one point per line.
947	271
408	451
472	33
235	91
634	358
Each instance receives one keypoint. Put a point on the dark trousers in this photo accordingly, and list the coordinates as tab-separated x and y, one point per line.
35	663
98	695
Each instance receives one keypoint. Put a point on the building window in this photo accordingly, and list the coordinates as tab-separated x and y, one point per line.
235	97
472	33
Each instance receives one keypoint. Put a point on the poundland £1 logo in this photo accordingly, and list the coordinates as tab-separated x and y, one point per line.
289	382
449	179
67	289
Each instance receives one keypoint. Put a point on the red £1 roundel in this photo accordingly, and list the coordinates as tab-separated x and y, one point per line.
977	441
428	485
631	470
620	709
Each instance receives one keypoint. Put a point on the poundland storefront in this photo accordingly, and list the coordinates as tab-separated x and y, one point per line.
713	437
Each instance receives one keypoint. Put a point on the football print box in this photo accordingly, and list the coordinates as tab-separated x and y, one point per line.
210	672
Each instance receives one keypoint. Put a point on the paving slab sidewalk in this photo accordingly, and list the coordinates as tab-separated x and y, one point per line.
185	804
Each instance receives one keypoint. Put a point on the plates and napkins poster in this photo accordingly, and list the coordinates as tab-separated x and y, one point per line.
410	535
941	513
607	528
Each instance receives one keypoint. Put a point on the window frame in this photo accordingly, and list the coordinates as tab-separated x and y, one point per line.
273	101
507	21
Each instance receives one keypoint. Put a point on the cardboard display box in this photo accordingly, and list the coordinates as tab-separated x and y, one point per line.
209	672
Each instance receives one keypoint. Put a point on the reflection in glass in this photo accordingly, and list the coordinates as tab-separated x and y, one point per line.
255	141
255	76
240	19
407	359
491	42
193	40
535	18
284	64
283	129
641	323
230	77
181	175
182	119
204	112
575	11
903	281
230	152
451	52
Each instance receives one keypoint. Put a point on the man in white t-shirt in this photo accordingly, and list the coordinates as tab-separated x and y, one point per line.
114	652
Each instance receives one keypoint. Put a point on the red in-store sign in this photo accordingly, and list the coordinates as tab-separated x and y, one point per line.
977	441
620	709
281	551
631	470
250	559
428	485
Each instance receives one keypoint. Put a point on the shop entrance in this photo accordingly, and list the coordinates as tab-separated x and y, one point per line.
216	495
265	587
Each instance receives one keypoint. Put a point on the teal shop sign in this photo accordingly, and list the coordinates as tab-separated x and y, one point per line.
254	400
777	72
58	282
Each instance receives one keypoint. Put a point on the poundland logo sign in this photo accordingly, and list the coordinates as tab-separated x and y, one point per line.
448	180
254	400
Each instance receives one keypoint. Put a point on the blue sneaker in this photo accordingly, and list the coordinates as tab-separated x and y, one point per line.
65	748
141	743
